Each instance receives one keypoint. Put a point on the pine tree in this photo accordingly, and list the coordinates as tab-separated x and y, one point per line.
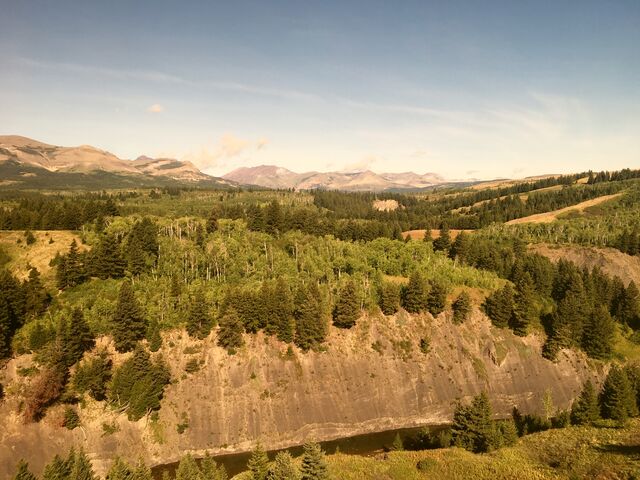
585	409
211	470
273	218
437	298
81	468
499	306
200	238
397	444
230	331
22	472
460	247
427	236
309	312
142	472
78	338
36	297
57	469
617	399
153	336
107	261
628	307
128	323
282	312
347	308
136	261
6	329
314	466
93	375
524	312
472	425
188	469
212	222
284	468
598	334
199	321
462	308
414	298
389	295
258	463
443	242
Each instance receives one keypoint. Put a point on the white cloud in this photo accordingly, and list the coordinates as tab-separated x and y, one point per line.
155	108
229	146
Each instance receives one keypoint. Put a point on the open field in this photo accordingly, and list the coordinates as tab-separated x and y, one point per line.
549	217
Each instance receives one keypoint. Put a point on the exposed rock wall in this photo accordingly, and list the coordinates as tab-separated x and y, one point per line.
371	378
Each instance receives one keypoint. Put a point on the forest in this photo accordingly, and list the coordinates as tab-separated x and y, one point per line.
294	266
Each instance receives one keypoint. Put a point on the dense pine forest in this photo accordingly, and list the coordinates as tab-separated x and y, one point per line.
95	314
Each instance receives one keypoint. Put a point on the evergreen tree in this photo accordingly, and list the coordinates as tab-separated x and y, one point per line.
628	307
107	261
212	222
6	327
23	472
460	247
462	308
273	218
617	399
282	312
389	298
128	322
443	242
258	463
472	425
57	469
524	311
309	312
598	334
200	238
347	308
437	298
142	472
93	375
81	468
188	469
199	320
314	466
585	409
284	468
136	262
397	444
71	270
77	339
499	306
211	470
153	336
36	297
414	298
230	331
427	236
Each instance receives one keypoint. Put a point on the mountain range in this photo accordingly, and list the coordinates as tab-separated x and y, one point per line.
28	163
271	176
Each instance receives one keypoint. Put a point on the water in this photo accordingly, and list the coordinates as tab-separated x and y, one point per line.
366	444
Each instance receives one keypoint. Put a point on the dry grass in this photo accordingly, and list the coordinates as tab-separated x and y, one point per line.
38	254
549	217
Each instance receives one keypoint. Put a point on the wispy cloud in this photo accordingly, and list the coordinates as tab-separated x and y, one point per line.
166	78
227	147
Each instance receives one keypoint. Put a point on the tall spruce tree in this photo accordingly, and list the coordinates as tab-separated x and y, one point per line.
437	298
389	298
347	308
282	312
23	472
212	222
461	308
106	260
309	312
472	425
258	463
460	247
414	297
188	469
585	409
598	334
443	242
524	310
119	470
230	331
36	298
617	399
284	468
199	321
499	306
75	337
128	322
314	465
57	469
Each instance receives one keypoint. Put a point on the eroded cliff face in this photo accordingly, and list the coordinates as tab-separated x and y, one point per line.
370	378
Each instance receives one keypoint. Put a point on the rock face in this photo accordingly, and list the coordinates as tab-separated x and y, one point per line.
373	377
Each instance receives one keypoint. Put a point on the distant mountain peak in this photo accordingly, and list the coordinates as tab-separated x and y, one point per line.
272	176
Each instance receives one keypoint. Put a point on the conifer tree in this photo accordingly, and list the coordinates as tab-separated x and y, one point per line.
284	468
347	308
617	399
128	322
427	236
628	307
273	218
107	261
93	375
78	338
462	308
443	242
136	261
153	336
188	469
71	270
119	470
523	306
200	238
598	334
230	331
81	468
309	312
472	425
437	298
258	463
211	470
282	312
499	306
397	444
314	466
36	297
389	295
57	469
199	320
460	247
212	222
6	330
414	298
22	472
585	409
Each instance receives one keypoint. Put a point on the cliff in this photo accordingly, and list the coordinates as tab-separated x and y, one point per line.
370	378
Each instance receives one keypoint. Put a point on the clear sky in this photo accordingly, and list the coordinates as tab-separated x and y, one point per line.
465	89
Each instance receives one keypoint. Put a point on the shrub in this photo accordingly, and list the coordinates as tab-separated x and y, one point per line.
71	419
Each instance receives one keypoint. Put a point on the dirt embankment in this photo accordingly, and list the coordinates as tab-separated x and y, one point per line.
373	377
611	261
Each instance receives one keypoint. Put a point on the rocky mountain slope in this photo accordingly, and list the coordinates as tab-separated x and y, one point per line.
28	163
271	176
373	377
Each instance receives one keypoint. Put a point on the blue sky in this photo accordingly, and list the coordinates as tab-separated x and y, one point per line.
464	89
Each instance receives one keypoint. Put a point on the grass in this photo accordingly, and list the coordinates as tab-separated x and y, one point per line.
574	452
